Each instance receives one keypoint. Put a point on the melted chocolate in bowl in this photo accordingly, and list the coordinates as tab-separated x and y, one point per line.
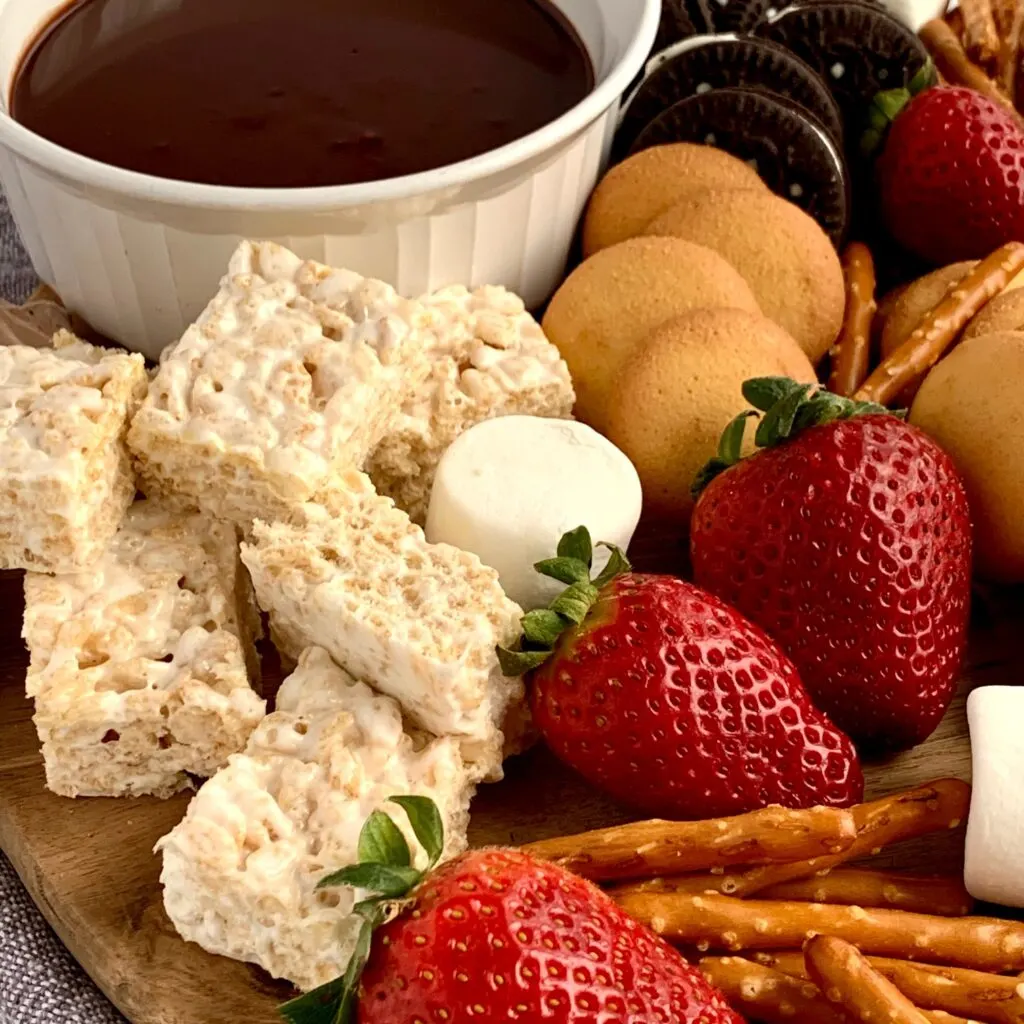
294	93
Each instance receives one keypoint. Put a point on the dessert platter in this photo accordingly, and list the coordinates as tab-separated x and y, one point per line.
554	561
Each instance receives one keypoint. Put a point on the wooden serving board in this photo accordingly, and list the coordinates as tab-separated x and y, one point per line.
89	865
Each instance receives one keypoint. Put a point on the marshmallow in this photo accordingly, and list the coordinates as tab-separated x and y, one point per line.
995	827
509	488
914	13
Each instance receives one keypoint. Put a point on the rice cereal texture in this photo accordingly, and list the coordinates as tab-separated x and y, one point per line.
140	666
292	374
240	871
418	621
67	478
490	358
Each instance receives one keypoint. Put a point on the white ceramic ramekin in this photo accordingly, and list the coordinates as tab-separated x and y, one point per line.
139	256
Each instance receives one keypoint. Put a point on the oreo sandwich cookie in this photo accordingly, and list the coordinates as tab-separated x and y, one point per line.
681	19
739	15
858	48
789	148
704	63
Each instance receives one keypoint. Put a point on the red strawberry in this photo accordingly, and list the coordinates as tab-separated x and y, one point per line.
500	936
952	176
669	700
848	539
496	935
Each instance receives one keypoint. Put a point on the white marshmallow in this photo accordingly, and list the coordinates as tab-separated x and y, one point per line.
914	13
995	827
509	488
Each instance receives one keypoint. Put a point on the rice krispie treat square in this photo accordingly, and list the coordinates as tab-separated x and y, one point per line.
140	666
419	622
240	871
67	478
291	374
489	358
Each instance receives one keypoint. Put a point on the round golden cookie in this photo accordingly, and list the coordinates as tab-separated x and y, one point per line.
1004	313
677	394
788	261
616	298
641	188
918	298
972	403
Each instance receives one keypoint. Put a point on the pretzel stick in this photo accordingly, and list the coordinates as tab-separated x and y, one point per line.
852	887
1009	51
771	997
654	847
845	977
852	352
940	328
981	39
989	997
983	943
917	812
1003	12
862	887
762	994
956	67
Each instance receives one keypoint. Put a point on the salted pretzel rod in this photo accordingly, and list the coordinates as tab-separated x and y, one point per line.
1010	23
844	976
771	997
993	998
938	330
956	67
944	895
981	38
937	807
851	354
766	995
721	922
650	848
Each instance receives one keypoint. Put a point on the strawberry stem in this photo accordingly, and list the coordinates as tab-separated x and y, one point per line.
384	869
787	408
542	627
889	104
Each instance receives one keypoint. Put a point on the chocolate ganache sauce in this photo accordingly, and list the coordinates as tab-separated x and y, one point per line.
293	93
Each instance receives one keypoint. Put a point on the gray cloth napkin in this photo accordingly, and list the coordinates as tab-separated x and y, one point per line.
39	981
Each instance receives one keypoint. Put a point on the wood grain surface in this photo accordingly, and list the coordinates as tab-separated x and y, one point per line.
89	864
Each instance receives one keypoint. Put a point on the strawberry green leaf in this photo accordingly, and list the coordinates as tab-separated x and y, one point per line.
317	1007
707	473
577	544
350	983
518	663
617	565
379	878
565	570
542	627
730	445
575	601
763	393
381	841
777	423
427	824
